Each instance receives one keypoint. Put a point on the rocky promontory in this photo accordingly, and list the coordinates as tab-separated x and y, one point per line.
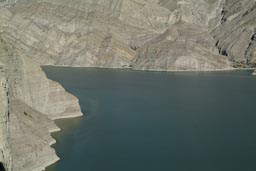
29	103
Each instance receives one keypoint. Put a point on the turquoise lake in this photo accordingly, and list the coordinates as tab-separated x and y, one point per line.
157	121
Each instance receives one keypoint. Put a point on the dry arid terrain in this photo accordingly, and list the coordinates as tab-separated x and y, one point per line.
159	35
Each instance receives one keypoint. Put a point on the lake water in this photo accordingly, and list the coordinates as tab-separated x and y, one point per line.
157	121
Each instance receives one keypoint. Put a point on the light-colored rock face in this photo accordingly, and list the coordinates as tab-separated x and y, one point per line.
141	34
112	33
61	39
28	82
30	138
182	47
34	101
5	157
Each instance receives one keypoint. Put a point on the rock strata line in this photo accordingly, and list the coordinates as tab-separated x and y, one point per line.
155	35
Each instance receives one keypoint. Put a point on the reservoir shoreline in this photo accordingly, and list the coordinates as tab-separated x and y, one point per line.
110	69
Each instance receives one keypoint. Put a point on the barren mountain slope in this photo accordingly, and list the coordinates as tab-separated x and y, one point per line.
28	104
104	34
236	35
140	34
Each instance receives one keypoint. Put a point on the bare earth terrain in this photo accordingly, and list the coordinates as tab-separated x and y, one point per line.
160	35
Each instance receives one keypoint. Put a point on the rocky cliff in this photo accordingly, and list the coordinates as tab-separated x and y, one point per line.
117	33
236	34
139	34
33	101
5	151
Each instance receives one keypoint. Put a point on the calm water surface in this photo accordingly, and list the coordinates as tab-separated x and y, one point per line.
156	121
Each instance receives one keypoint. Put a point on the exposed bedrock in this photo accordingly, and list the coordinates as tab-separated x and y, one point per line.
5	149
236	34
104	34
29	84
140	34
182	47
33	102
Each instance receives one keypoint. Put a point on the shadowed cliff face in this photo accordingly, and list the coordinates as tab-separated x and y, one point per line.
235	35
2	167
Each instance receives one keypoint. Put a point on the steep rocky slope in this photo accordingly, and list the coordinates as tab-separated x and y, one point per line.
182	47
30	138
33	102
140	34
5	156
236	35
110	34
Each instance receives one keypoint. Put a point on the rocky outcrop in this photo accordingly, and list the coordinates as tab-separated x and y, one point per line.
113	34
182	47
33	102
5	151
157	35
108	33
236	33
28	82
30	138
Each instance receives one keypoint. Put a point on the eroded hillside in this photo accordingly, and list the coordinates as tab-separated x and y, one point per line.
114	34
140	34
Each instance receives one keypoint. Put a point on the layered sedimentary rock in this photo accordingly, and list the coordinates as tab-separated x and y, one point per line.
107	33
182	47
33	102
28	82
236	34
5	150
140	34
112	34
30	138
